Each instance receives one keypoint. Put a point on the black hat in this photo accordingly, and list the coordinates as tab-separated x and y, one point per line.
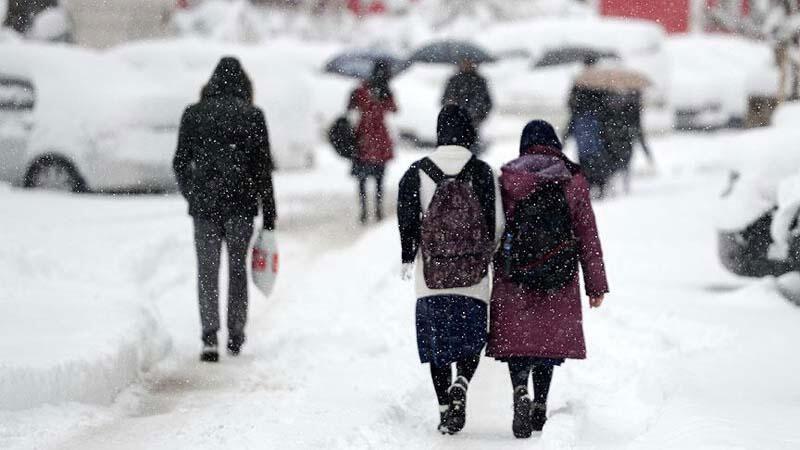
454	127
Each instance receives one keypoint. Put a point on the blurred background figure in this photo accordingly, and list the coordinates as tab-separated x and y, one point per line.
469	90
606	121
373	100
587	114
224	170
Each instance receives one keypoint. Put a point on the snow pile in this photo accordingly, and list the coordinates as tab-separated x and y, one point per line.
221	20
787	116
78	332
52	24
720	70
784	222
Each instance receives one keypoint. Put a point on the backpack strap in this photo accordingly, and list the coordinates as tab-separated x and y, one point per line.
432	170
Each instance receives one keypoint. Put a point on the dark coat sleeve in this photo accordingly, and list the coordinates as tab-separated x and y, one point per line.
591	252
450	95
263	169
184	155
484	98
409	214
484	183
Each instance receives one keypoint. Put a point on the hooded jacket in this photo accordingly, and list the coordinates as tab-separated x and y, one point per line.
531	323
223	163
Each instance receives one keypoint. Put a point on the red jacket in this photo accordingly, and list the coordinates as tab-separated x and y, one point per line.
375	145
548	325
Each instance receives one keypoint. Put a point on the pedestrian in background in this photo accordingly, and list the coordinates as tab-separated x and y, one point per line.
623	130
450	215
536	320
373	100
224	170
469	90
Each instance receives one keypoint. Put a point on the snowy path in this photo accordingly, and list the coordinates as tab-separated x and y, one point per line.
682	356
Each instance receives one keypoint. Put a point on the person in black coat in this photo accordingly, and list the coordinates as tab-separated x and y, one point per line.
224	170
469	90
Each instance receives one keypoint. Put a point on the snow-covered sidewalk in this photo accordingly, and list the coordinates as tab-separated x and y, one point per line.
683	355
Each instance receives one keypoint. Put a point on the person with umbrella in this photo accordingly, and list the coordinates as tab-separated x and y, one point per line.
605	106
469	90
374	149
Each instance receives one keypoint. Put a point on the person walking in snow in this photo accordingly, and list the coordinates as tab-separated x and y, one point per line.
588	113
469	90
373	100
623	130
450	215
535	307
224	170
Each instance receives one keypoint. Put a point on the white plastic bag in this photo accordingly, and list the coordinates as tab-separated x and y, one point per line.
265	260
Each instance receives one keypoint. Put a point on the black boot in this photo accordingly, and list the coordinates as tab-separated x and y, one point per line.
522	426
538	416
235	342
458	405
444	416
209	353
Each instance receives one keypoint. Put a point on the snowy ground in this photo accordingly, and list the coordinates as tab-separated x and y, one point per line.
683	355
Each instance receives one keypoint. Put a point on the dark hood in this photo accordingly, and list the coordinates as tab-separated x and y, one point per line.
229	80
538	133
524	175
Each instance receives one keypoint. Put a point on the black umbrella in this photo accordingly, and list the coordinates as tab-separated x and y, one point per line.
451	52
359	63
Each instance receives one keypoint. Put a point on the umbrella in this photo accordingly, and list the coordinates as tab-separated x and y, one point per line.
616	80
359	63
451	52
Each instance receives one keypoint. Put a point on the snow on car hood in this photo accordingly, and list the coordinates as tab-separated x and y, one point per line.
80	95
279	71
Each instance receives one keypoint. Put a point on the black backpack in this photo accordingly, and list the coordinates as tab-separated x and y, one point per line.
540	249
342	138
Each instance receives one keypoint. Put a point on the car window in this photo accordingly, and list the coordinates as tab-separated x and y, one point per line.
16	94
567	56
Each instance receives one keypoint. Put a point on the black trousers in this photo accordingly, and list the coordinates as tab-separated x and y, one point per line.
236	232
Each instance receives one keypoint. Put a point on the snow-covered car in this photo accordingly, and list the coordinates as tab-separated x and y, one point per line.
71	119
521	86
757	216
714	75
281	78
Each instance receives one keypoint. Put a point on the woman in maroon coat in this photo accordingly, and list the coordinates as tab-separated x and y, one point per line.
373	100
531	330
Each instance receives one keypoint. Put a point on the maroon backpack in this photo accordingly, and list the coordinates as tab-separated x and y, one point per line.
456	244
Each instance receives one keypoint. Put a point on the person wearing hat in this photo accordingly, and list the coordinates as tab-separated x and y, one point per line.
451	312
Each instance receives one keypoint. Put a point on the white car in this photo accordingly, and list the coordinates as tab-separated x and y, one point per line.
281	80
713	77
522	88
71	119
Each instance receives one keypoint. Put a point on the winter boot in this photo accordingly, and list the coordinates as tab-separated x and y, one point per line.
209	353
443	418
235	342
538	416
522	425
458	405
